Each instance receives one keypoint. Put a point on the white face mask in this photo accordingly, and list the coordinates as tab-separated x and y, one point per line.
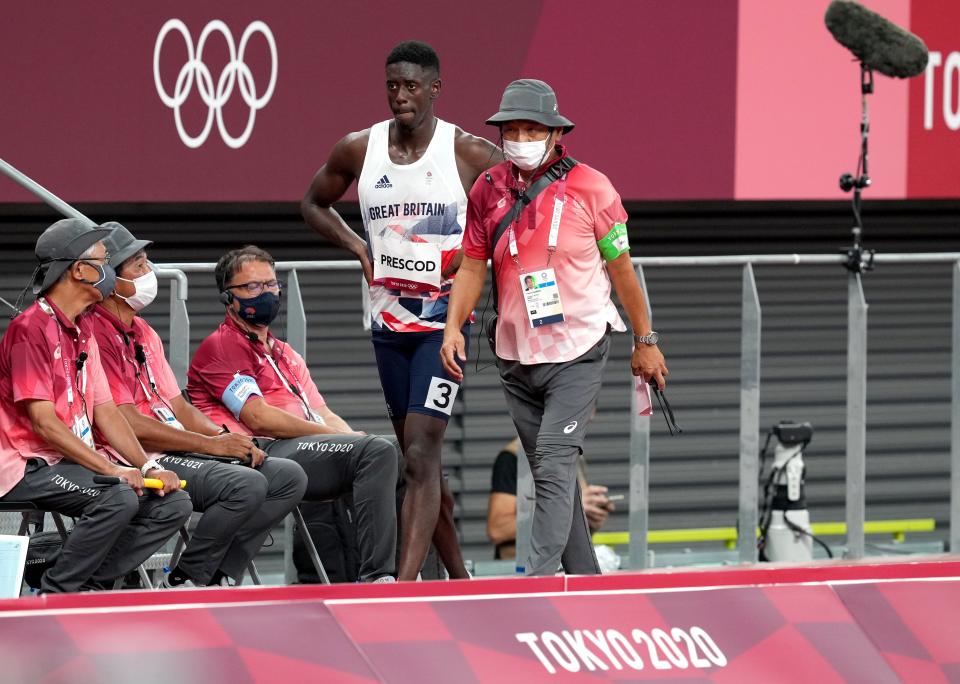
146	291
526	155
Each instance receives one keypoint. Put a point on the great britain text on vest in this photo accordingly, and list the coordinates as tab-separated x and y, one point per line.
383	211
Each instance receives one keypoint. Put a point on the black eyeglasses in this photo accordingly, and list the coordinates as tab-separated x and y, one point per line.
255	287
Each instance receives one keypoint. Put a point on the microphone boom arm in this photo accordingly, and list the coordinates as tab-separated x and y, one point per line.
856	262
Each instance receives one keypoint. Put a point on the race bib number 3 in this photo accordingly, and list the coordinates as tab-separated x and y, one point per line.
404	265
441	395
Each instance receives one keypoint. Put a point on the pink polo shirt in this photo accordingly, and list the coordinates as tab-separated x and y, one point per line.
38	356
130	381
228	369
592	207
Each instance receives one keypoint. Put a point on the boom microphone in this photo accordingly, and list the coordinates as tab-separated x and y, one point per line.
879	44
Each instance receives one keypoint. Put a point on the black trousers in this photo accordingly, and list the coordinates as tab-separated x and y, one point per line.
115	530
366	467
240	506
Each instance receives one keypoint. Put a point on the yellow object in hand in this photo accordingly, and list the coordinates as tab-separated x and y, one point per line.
154	483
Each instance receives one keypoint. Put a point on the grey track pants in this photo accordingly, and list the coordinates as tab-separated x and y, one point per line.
240	506
551	404
115	530
366	466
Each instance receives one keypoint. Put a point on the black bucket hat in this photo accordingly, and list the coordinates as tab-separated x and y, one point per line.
530	100
61	245
122	244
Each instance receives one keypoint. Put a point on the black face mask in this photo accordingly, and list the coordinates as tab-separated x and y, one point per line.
259	310
107	280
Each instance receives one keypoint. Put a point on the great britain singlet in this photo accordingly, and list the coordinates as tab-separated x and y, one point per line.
414	215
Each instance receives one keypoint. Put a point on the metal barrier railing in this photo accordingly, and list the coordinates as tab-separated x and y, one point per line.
750	348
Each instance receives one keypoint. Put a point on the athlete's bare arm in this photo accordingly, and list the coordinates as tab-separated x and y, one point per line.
329	185
474	156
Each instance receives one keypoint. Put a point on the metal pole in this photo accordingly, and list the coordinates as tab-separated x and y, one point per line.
856	415
526	500
48	197
639	515
178	347
296	316
955	418
749	418
297	339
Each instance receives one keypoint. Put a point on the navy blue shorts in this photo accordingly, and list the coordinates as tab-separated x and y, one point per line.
412	374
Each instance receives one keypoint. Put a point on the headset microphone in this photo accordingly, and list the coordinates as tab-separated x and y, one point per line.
81	359
226	297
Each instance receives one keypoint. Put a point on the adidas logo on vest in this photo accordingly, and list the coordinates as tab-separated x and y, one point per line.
384	183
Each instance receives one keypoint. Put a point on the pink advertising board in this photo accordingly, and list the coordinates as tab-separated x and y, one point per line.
242	101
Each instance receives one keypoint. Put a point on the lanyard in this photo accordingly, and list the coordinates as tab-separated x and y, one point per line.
80	379
153	383
298	392
138	354
295	391
559	199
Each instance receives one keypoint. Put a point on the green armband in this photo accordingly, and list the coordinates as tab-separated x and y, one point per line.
614	243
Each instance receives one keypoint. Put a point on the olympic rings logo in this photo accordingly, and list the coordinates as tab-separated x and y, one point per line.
236	72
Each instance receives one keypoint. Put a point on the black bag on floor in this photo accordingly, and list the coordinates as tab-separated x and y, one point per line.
334	533
42	552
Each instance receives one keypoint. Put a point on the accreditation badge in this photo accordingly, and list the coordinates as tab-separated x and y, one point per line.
165	416
541	294
81	428
406	265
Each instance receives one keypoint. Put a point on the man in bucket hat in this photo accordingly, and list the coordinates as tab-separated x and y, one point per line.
542	214
52	393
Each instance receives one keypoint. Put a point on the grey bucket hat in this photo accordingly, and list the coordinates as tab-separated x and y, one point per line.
122	244
59	246
531	100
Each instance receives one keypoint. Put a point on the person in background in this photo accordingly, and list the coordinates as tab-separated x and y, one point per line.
53	394
241	498
502	507
251	382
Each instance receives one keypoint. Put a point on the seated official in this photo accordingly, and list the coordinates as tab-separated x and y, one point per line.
53	394
248	380
502	508
240	504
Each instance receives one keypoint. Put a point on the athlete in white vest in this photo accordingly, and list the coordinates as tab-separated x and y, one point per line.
413	173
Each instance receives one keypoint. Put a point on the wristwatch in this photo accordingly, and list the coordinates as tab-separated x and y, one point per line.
150	465
649	339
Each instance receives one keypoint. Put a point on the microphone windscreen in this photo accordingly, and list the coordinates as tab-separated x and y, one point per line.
878	43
